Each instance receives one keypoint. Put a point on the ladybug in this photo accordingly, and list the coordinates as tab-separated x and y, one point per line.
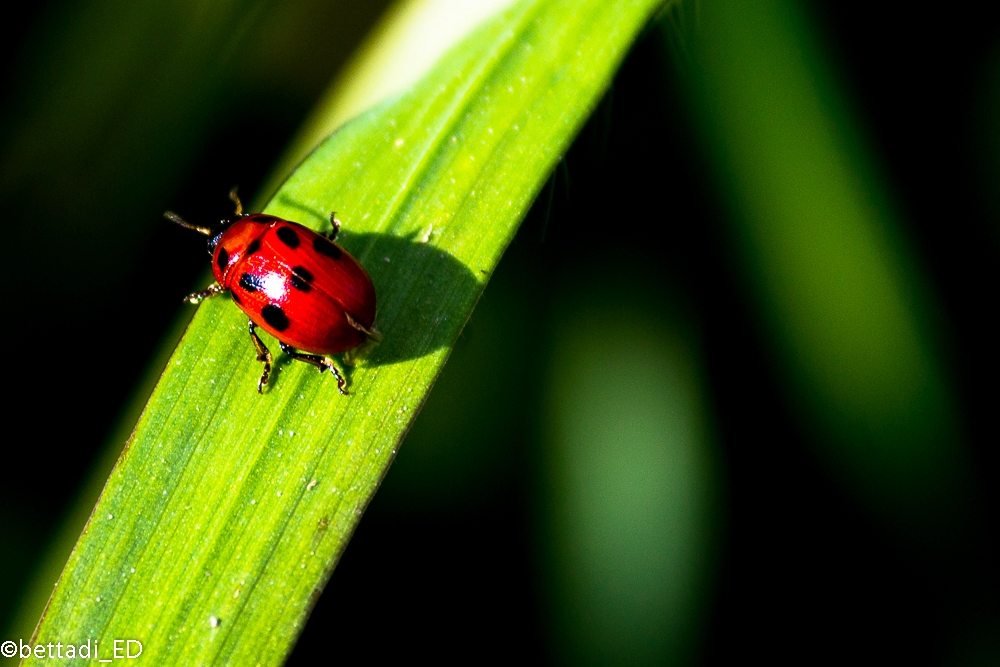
295	284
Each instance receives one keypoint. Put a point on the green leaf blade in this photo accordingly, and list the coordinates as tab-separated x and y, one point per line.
227	512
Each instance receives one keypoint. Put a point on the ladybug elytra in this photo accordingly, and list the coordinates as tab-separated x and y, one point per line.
297	285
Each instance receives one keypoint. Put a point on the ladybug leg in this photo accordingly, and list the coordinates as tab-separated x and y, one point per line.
198	297
263	355
374	335
332	234
372	340
322	363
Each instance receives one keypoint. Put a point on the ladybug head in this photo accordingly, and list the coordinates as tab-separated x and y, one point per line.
214	237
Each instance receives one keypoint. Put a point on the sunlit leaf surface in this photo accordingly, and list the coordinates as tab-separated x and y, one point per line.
228	510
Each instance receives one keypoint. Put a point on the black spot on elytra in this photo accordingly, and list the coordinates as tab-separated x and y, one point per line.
250	282
252	248
222	259
288	237
300	284
325	247
235	298
274	316
262	219
303	272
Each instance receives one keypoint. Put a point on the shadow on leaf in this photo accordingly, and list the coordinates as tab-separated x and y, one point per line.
416	286
415	282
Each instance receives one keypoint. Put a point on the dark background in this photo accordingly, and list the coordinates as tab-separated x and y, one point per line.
806	573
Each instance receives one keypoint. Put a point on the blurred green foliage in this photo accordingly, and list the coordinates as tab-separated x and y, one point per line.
848	314
630	486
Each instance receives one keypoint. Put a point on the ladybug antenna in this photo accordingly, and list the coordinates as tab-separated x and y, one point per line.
173	217
235	198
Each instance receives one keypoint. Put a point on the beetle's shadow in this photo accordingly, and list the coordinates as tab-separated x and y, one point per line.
417	286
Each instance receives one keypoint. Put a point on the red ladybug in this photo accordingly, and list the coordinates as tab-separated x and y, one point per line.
297	285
